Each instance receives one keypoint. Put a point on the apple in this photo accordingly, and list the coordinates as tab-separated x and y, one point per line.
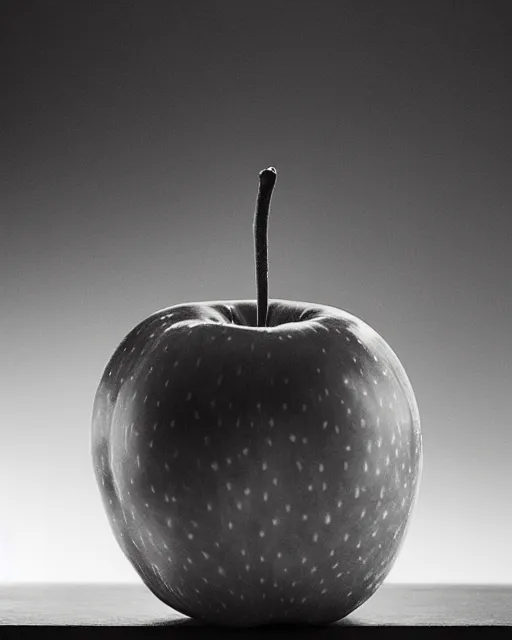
258	461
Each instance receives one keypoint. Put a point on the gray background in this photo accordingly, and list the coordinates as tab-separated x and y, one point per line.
132	135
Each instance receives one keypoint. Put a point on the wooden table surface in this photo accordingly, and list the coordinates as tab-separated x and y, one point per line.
78	606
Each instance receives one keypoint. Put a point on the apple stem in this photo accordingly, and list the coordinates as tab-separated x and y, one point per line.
266	186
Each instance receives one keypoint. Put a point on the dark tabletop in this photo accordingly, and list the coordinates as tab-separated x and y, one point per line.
108	606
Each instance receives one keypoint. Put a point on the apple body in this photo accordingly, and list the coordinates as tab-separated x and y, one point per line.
257	475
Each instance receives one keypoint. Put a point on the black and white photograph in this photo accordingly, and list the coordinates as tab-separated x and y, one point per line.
256	312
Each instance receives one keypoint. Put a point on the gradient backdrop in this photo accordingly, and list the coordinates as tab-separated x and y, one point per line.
131	140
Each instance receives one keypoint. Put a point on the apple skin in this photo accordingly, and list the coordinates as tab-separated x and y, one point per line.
257	475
